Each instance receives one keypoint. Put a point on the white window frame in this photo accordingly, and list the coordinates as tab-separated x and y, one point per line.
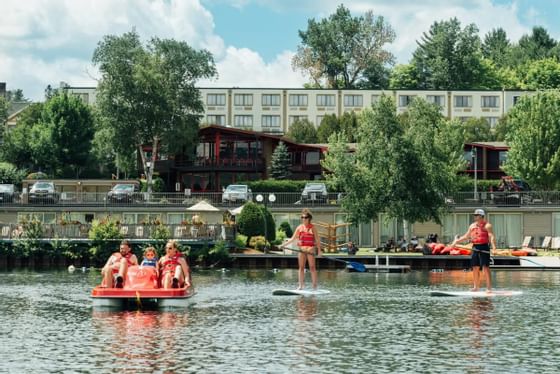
243	99
243	120
491	101
353	101
298	99
459	101
270	100
325	100
270	121
213	99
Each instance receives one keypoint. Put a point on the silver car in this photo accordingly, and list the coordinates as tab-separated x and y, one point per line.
314	191
237	193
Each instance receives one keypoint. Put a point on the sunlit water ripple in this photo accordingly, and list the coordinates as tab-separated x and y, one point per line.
382	323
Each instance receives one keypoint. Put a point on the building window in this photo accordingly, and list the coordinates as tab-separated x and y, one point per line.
325	100
354	100
374	99
216	99
436	99
243	99
405	100
216	120
490	101
298	100
502	157
243	121
270	121
292	119
312	158
516	99
492	121
463	119
463	101
270	100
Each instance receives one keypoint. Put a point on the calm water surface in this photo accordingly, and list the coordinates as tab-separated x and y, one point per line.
380	323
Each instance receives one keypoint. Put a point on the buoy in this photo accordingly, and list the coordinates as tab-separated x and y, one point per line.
71	269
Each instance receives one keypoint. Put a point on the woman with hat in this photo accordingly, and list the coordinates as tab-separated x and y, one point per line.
481	235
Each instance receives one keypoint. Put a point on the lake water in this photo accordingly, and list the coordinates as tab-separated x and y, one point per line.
381	323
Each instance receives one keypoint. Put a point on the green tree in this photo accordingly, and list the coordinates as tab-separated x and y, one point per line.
448	57
280	162
3	110
349	125
375	77
496	47
328	126
535	46
9	173
476	130
151	100
404	77
15	95
542	74
340	48
534	140
391	172
70	122
302	131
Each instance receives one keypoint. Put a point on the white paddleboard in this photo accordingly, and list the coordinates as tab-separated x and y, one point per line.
282	292
492	293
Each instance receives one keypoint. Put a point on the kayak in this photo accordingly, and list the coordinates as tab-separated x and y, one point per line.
283	292
141	289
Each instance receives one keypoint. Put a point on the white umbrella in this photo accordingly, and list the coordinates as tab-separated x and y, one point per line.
237	210
203	206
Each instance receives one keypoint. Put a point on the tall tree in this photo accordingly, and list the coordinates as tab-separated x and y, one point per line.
328	126
541	74
302	131
534	140
535	46
496	47
448	57
349	125
71	125
476	130
340	48
16	147
404	77
280	162
148	94
387	173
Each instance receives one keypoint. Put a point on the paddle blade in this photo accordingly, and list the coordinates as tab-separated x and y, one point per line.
358	266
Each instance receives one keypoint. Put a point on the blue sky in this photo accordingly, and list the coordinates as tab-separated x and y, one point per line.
253	41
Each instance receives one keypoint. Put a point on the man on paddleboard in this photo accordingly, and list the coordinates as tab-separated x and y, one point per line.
481	235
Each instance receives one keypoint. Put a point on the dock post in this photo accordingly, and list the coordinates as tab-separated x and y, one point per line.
376	260
387	260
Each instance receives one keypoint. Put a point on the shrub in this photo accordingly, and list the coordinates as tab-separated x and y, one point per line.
105	234
287	229
158	185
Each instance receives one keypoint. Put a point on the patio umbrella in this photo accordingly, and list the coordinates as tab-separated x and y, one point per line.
237	210
203	206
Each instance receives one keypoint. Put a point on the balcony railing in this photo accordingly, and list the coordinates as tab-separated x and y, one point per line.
283	199
128	231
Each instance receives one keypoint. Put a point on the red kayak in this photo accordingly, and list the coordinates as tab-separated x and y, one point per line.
141	288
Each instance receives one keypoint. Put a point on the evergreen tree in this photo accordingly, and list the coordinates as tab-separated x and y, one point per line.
280	162
302	131
329	125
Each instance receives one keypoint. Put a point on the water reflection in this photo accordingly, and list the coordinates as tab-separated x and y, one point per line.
139	339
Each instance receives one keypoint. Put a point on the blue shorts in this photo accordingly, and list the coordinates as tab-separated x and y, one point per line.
480	255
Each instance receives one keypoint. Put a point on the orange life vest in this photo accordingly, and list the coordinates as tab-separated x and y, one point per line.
479	234
170	263
118	257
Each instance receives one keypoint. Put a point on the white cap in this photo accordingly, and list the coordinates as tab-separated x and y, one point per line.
479	212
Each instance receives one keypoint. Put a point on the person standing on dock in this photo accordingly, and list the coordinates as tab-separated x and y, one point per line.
481	235
309	246
114	271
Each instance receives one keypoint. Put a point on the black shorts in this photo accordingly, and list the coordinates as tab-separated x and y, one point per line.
480	255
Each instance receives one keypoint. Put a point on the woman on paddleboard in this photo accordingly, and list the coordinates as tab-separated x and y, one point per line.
309	247
481	235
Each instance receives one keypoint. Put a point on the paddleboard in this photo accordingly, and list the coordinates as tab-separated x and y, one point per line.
492	293
282	292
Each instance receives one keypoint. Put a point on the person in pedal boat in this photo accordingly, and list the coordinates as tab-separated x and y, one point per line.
173	267
114	271
481	235
309	246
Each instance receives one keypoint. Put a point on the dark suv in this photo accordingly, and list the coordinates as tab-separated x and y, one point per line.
123	193
511	192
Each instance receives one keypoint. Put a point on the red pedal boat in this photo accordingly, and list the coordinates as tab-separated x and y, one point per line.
141	288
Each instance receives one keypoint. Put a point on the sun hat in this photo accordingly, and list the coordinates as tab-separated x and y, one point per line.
479	212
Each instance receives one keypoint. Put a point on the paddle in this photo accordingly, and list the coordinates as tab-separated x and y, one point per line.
482	251
358	266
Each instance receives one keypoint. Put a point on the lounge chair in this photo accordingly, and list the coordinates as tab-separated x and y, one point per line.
546	243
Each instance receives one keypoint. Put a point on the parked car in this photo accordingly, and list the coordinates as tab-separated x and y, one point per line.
42	192
511	192
123	193
237	193
314	191
8	193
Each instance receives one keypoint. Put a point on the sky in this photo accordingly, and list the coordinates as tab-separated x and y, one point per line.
46	42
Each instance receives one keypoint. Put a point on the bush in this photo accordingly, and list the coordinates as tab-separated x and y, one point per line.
105	235
10	174
280	236
251	221
158	185
271	185
287	229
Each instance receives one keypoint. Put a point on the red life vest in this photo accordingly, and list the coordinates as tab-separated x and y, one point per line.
479	234
306	236
170	263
